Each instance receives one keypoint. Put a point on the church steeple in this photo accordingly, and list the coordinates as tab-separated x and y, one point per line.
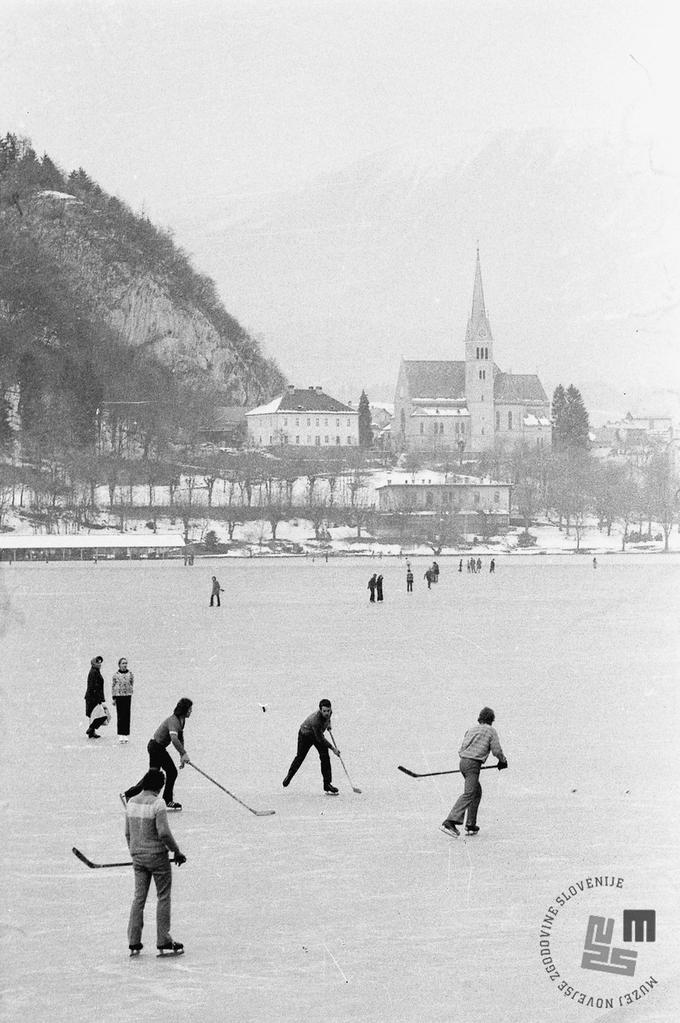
478	318
479	369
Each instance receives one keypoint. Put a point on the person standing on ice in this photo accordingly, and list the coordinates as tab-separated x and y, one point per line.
477	743
149	837
311	734
372	583
169	731
409	581
94	697
121	694
216	590
379	588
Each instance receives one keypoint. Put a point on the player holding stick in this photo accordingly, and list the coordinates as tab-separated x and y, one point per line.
149	837
311	734
477	743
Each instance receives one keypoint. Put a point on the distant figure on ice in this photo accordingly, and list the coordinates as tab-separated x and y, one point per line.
169	731
479	564
409	580
216	590
478	741
492	566
121	693
95	702
379	588
372	583
311	734
435	572
428	576
149	837
460	565
594	562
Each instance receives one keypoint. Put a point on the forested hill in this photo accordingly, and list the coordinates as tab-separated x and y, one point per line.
97	304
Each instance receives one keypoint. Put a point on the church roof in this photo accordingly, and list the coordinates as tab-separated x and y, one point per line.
435	378
519	387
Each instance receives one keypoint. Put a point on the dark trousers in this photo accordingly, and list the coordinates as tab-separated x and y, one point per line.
409	585
212	597
158	757
123	704
145	868
305	742
471	795
372	597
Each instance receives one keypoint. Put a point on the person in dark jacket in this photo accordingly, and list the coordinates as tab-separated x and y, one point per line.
311	734
379	587
435	572
372	583
216	590
94	696
409	580
428	576
169	731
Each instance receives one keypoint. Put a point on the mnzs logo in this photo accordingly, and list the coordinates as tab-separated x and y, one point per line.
598	954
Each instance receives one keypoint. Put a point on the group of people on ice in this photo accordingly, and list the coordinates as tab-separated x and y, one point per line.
96	710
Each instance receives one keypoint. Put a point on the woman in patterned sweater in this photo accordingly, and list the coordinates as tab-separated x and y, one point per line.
121	691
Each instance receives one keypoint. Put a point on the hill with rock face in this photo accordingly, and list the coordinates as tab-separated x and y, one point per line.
89	289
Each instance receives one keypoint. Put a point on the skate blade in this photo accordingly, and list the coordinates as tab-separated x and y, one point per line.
168	953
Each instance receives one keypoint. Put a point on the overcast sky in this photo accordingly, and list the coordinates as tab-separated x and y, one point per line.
166	103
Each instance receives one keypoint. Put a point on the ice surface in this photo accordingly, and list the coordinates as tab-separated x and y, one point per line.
356	908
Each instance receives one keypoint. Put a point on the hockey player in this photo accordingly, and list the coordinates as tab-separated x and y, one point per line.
169	731
311	734
149	837
477	743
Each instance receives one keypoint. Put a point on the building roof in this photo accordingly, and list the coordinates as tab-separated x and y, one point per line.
518	387
443	412
301	399
430	378
89	541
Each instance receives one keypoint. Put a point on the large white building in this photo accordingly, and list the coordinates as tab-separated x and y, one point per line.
304	417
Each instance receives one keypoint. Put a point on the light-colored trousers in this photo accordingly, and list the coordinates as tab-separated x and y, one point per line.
471	796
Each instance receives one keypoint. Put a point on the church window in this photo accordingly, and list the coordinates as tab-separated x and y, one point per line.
403	421
509	420
428	499
422	427
498	420
486	353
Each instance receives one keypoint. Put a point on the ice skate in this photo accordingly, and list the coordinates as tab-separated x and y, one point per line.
171	948
136	949
450	829
330	790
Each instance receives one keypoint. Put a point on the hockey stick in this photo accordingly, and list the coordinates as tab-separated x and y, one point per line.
431	774
258	813
89	863
354	788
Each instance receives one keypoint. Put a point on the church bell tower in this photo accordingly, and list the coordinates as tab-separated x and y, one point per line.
479	367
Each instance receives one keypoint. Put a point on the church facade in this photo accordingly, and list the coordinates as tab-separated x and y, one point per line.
468	406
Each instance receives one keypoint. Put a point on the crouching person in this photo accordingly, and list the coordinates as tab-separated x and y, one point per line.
149	838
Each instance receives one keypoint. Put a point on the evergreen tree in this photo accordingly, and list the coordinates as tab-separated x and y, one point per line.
365	432
577	425
570	420
559	405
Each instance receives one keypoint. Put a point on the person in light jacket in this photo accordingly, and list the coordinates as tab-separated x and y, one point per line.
122	685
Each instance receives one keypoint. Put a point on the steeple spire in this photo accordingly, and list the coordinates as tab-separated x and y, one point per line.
478	308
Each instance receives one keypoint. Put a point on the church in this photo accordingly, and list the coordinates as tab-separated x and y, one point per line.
468	406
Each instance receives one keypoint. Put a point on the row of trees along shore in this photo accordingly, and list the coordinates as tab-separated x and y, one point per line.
69	491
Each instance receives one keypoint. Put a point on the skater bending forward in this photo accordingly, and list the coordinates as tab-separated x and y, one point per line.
169	731
311	734
477	743
149	837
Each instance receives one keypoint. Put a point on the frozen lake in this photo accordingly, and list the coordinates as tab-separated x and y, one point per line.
356	908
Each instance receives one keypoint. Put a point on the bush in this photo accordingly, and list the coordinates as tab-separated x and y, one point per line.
526	539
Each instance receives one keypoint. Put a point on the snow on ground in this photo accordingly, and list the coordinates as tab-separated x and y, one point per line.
358	908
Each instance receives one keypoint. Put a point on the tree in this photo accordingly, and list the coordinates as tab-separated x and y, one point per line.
571	426
365	432
662	486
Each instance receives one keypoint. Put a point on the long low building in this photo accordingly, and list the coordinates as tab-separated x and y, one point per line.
38	546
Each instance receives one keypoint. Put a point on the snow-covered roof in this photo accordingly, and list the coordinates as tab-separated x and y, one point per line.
531	420
440	413
88	541
50	193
